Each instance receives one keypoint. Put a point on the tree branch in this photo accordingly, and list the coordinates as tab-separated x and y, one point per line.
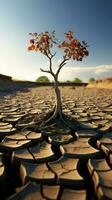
47	71
50	65
50	61
47	55
61	65
52	55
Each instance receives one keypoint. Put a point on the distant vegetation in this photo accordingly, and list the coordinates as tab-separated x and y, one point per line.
68	81
91	80
45	79
75	80
42	79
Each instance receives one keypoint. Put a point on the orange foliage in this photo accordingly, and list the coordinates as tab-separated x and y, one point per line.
31	48
72	47
42	42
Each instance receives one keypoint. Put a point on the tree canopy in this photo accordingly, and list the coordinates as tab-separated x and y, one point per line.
77	80
42	79
73	48
92	80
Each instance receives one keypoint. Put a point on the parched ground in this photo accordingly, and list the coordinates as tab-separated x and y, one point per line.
56	162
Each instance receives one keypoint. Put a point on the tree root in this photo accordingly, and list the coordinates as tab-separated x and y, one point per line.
68	123
48	121
61	117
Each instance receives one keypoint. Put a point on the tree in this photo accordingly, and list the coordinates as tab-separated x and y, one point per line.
72	48
77	80
68	81
42	79
91	80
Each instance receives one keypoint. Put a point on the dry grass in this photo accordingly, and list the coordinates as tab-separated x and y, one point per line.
103	83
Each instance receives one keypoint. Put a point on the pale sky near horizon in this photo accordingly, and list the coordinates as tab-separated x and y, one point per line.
90	20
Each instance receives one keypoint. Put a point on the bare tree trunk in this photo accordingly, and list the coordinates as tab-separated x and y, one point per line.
58	104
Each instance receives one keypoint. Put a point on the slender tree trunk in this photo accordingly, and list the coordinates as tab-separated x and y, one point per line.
58	104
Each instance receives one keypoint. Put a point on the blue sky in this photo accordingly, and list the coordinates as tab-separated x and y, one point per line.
91	20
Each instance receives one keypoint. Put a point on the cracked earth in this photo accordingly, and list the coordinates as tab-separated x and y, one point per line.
56	163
